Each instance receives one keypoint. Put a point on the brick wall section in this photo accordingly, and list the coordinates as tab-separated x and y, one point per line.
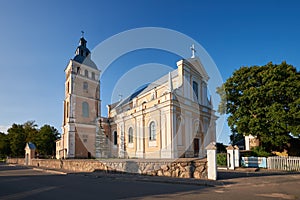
182	168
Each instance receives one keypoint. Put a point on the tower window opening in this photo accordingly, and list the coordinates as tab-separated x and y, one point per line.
85	86
115	138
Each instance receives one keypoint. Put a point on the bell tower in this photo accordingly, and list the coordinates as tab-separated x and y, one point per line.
81	105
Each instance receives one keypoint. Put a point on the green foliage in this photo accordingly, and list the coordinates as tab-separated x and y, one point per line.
221	148
221	159
45	140
260	152
263	101
4	145
17	140
13	144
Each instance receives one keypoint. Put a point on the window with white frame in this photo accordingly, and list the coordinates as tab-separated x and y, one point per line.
195	89
130	135
152	131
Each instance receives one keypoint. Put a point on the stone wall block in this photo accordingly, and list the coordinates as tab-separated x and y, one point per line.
167	173
183	169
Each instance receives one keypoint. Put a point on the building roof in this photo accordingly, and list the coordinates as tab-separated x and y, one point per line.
85	60
146	88
83	54
31	145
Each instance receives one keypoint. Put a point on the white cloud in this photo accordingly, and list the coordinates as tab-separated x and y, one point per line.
3	128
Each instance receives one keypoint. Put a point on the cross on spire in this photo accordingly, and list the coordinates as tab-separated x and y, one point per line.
193	50
120	97
82	33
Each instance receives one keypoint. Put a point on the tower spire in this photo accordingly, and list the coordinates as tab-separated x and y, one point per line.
83	54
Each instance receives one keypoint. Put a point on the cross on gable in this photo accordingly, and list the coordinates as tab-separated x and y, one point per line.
193	50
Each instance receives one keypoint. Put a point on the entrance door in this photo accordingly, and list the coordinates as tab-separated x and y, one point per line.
196	147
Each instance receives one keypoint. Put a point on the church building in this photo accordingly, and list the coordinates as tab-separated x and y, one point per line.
169	118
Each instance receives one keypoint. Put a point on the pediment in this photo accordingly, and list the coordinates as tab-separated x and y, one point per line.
196	63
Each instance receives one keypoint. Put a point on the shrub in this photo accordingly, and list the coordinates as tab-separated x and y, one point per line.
260	152
222	159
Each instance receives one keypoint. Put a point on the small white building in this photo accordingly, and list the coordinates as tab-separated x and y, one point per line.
29	152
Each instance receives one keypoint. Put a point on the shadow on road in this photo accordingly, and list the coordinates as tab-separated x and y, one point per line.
224	174
18	182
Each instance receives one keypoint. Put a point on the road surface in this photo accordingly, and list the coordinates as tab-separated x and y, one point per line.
17	182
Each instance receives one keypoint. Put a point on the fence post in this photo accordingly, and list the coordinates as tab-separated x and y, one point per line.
211	161
230	157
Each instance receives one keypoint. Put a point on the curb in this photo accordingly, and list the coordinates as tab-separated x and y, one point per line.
49	171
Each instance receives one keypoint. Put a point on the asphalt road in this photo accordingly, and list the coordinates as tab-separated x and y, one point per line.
18	182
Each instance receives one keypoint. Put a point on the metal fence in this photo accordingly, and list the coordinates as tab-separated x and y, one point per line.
284	163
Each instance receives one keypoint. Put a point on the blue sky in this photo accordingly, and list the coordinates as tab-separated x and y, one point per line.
39	37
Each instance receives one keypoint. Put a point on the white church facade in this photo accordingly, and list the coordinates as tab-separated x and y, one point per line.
169	118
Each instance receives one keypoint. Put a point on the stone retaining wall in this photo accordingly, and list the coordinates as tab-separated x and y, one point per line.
183	168
19	161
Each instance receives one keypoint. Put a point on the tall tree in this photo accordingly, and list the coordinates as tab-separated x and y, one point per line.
30	130
263	101
17	140
4	145
45	140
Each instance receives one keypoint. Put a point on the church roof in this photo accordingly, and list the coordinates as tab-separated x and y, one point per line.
146	88
85	60
83	54
113	105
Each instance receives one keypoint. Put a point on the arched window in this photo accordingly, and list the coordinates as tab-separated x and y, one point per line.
93	75
195	89
152	131
85	86
86	73
85	109
115	138
130	135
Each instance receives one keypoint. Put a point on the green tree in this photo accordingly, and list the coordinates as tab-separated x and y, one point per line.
263	101
14	142
17	140
30	130
45	140
4	145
